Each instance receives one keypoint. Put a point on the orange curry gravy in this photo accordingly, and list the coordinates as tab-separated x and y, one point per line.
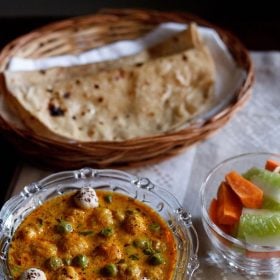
120	239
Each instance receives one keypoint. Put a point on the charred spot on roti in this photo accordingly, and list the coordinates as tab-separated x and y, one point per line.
55	110
91	132
96	86
100	99
78	82
205	95
121	73
66	95
190	108
42	72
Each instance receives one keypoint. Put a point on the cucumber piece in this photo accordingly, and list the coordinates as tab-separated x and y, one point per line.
260	227
268	181
269	203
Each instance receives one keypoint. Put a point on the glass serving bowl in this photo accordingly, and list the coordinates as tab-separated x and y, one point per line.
249	258
163	202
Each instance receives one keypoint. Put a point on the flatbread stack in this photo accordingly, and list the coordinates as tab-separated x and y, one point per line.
153	92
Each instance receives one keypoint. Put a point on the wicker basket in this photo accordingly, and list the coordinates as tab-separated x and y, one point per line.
83	33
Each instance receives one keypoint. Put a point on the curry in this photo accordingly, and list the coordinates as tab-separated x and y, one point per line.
115	237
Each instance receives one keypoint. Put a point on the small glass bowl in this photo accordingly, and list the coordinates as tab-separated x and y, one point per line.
249	258
163	202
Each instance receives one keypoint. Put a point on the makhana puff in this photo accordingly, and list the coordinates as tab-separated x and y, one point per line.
121	103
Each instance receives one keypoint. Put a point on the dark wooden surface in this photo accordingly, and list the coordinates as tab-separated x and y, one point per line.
259	30
255	34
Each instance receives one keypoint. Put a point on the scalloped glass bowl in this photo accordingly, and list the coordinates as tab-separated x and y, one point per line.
33	195
250	258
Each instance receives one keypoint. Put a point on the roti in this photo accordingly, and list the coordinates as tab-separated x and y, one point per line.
124	102
176	43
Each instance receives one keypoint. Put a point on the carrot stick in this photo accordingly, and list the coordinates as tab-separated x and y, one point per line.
213	208
250	195
271	164
229	206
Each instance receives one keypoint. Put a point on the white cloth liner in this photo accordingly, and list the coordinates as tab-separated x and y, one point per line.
120	49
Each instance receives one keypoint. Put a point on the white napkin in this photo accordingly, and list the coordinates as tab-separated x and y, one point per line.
108	52
119	49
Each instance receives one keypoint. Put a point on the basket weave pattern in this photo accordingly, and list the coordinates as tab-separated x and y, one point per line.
84	33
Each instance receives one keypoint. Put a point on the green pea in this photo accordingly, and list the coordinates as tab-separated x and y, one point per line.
134	257
141	243
156	259
64	227
54	263
81	261
108	198
106	232
148	251
109	270
154	227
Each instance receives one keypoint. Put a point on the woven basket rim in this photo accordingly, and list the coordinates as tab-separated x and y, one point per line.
191	134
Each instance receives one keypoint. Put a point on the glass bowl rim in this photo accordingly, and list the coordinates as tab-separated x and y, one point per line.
205	216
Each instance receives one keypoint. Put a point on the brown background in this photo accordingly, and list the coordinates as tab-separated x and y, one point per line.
257	25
